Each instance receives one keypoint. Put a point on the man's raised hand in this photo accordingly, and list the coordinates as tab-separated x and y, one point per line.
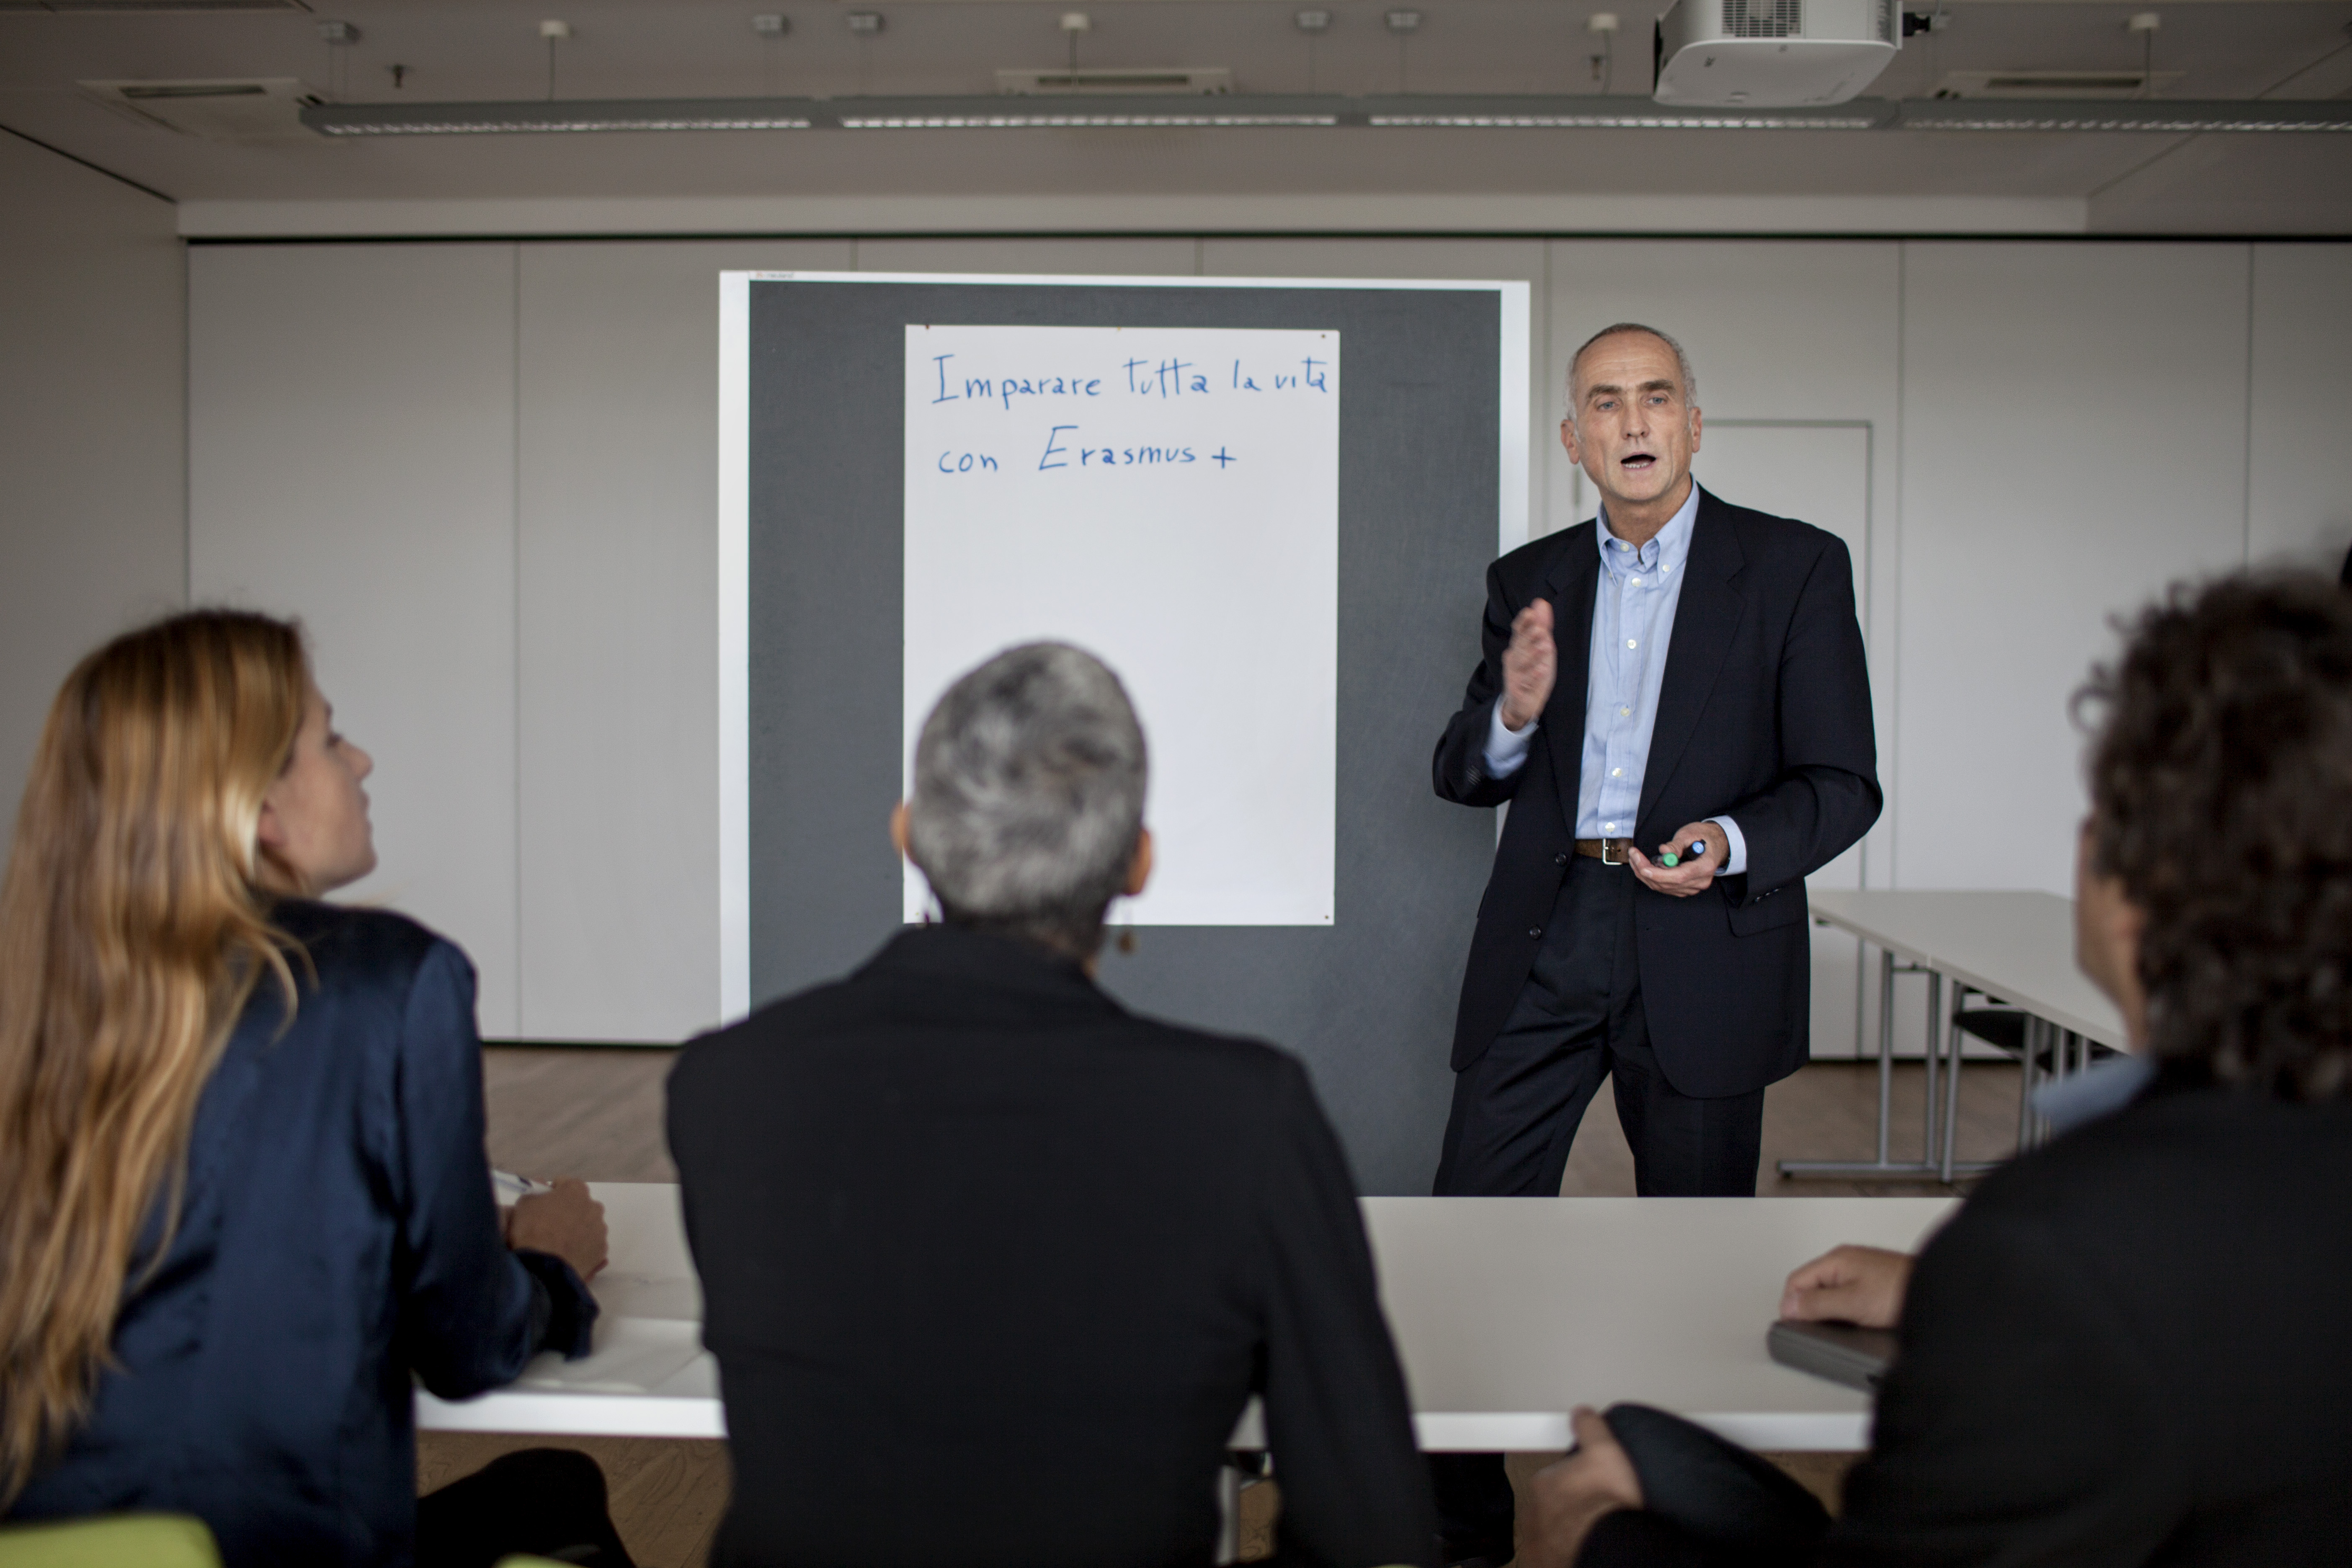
1529	665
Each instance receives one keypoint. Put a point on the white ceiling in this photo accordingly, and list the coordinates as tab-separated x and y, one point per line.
490	50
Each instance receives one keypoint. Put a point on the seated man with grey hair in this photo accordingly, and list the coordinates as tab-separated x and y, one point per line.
992	1265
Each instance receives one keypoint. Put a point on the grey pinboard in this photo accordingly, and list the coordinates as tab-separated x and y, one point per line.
1368	1002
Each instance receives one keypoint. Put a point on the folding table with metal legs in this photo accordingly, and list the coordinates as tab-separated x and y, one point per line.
1935	1159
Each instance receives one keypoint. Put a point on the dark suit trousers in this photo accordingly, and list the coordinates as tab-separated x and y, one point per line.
1578	1020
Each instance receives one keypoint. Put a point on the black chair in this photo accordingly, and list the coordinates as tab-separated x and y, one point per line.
2008	1030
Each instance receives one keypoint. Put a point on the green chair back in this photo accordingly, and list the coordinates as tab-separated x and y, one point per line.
115	1541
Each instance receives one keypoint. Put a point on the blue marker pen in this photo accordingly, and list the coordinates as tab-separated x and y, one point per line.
1696	848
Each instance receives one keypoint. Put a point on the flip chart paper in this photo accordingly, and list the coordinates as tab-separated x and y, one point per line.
1167	499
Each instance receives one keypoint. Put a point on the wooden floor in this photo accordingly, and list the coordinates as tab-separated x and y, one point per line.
597	1113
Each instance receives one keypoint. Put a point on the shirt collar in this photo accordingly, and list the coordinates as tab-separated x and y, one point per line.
1667	549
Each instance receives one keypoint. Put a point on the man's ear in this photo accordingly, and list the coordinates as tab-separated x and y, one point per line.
1567	441
1139	870
1696	420
898	829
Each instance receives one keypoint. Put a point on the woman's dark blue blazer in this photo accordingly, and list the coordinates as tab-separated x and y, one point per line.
337	1242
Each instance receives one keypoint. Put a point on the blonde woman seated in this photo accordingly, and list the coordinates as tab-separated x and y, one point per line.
243	1194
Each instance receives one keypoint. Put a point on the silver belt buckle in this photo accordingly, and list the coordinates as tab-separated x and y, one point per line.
1604	855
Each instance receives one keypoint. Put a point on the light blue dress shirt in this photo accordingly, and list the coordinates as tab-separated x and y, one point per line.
1632	627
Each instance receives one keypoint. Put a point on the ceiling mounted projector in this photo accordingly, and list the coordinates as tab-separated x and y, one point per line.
1773	53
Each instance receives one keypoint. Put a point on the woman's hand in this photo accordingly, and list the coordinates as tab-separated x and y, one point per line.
1572	1496
563	1221
1860	1285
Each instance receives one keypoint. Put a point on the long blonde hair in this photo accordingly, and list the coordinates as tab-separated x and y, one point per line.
133	929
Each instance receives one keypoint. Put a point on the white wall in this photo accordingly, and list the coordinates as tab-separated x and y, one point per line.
352	461
2075	439
93	501
2022	437
2298	463
617	631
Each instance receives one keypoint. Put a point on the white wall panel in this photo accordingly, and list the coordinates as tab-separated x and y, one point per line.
1042	255
2299	475
484	477
2075	439
352	461
93	510
618	631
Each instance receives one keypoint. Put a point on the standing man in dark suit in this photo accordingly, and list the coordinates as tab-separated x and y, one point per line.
1680	674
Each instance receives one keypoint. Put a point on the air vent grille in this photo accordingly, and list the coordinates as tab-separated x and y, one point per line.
1763	18
1116	81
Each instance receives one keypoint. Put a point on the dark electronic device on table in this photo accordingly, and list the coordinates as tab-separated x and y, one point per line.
1841	1352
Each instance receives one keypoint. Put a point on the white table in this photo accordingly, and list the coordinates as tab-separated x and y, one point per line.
2017	947
1507	1312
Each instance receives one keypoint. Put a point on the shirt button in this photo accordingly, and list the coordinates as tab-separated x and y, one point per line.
1637	582
1534	930
1608	827
1631	643
1624	712
1616	773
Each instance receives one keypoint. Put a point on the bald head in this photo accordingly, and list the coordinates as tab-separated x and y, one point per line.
1620	329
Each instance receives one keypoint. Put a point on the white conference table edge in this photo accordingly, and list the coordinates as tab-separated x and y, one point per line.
532	1412
604	1412
2107	1032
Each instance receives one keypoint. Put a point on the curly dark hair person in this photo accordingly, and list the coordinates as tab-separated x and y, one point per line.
2221	798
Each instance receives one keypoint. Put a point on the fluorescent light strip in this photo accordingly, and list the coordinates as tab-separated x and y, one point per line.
1060	121
1623	122
479	127
2132	122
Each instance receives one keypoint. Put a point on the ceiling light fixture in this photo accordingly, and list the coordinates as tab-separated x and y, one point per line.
1425	111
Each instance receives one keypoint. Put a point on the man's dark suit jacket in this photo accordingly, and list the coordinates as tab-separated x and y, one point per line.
2129	1347
992	1265
1764	716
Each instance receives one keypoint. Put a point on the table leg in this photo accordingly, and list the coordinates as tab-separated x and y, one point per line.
1883	1165
1931	1047
1956	1041
1886	1049
2033	1026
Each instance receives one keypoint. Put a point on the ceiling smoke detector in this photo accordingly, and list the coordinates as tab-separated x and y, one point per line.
246	110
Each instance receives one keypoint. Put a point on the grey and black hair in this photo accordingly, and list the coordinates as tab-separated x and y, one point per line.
1028	795
1682	360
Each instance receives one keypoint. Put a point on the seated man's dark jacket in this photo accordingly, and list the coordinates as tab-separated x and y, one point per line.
992	1265
338	1237
2129	1347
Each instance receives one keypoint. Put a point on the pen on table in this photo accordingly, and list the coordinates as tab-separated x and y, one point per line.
1670	859
507	1187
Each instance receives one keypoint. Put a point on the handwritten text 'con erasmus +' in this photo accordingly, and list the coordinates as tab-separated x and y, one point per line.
1168	379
